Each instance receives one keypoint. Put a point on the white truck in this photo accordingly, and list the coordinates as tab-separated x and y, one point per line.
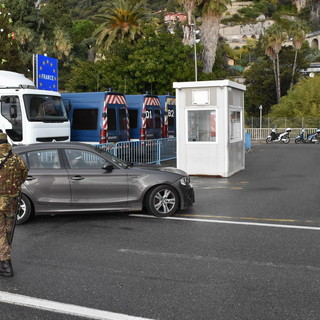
30	115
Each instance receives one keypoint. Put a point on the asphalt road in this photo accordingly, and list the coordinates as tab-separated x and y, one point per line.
247	249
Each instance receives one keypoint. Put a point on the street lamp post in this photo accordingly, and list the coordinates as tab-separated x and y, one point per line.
260	108
195	57
195	41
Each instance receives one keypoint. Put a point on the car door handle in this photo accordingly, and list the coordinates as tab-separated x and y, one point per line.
77	178
29	178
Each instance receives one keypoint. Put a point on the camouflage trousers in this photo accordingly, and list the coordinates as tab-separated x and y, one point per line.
7	211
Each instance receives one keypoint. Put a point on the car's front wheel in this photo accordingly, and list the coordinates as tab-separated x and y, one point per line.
25	210
162	201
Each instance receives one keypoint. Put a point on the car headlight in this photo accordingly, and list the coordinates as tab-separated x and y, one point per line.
185	181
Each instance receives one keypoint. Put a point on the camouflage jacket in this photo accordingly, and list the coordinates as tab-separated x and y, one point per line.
13	173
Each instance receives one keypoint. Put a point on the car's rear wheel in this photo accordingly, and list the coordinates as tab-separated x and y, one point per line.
25	211
162	201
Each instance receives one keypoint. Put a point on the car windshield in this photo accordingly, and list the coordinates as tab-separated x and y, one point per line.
45	108
113	159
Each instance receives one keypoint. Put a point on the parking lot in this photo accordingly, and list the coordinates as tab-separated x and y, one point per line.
247	249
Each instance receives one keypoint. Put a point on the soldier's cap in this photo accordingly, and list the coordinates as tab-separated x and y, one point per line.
3	138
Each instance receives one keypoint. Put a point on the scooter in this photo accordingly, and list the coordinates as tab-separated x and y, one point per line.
300	138
283	137
311	138
315	137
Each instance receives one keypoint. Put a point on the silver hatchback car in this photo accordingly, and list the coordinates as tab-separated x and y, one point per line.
76	177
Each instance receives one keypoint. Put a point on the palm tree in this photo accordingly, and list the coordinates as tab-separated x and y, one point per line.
189	6
24	36
62	46
272	41
269	51
212	11
121	21
297	33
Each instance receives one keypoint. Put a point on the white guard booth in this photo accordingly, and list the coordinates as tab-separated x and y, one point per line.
210	127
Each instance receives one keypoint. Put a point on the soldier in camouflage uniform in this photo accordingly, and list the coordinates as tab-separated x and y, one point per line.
13	172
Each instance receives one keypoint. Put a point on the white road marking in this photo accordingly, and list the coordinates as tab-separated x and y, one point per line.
63	308
231	222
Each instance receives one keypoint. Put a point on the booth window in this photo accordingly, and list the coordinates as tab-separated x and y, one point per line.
235	125
201	125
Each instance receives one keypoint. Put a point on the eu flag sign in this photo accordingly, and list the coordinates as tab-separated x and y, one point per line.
47	73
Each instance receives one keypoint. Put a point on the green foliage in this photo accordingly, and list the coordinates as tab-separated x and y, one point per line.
84	76
234	19
265	7
9	47
260	86
249	12
84	9
81	30
302	101
55	13
172	6
23	13
260	79
158	61
151	65
121	20
156	5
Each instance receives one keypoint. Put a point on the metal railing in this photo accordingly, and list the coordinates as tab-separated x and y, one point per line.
262	133
281	122
146	151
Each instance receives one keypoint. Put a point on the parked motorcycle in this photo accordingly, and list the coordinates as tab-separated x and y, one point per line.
283	137
301	136
305	138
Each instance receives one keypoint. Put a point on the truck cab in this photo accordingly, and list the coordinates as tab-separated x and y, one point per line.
29	115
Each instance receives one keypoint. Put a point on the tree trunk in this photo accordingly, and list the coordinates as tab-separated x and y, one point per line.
294	68
315	10
275	73
275	76
278	80
209	37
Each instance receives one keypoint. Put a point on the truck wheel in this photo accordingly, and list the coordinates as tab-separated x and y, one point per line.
25	210
162	201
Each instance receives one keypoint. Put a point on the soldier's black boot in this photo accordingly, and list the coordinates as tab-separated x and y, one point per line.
6	268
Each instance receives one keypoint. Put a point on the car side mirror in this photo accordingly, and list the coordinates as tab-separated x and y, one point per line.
108	167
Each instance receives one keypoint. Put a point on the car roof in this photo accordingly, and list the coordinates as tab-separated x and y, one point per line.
51	145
